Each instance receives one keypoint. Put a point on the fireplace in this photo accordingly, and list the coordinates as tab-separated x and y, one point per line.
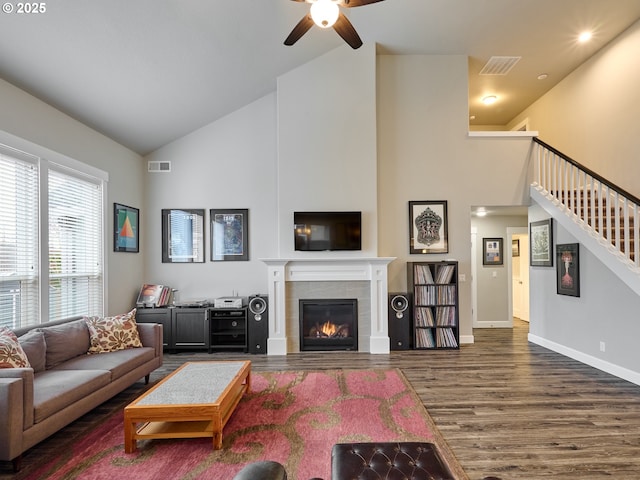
328	324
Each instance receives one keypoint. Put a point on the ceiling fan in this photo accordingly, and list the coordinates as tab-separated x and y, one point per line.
327	14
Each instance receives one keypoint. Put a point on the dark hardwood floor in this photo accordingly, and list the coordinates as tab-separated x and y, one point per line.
506	407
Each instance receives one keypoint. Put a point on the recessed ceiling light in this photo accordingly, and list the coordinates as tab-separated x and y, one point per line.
472	117
584	37
481	212
543	76
489	99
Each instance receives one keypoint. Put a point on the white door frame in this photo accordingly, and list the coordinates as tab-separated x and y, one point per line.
474	284
511	231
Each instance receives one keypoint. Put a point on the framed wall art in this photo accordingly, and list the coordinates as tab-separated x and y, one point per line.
515	248
126	228
568	269
229	234
541	243
428	227
492	251
182	235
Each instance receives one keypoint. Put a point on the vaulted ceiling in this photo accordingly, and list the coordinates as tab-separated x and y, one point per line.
145	72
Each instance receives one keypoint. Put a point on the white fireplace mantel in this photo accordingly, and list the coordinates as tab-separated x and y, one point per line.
373	270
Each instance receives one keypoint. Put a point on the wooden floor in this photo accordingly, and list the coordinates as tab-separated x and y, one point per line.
506	407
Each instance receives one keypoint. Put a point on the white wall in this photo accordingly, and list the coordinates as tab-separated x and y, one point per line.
327	148
230	163
30	119
592	114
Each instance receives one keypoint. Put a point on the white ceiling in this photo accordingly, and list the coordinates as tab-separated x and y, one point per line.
145	72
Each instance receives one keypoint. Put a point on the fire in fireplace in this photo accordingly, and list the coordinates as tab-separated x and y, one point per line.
328	324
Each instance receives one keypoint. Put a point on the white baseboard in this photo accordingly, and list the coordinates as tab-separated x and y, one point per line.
467	339
615	370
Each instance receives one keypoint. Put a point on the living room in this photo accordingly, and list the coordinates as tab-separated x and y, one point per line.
412	142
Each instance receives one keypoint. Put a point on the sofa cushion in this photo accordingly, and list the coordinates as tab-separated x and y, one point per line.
65	341
35	347
110	334
11	353
56	389
118	363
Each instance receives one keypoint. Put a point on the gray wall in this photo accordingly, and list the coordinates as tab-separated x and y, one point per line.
606	311
493	280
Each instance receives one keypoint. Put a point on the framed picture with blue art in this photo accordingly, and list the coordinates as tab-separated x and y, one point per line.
492	251
183	235
229	234
126	228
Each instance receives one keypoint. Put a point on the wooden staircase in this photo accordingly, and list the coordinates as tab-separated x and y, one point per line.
609	221
609	213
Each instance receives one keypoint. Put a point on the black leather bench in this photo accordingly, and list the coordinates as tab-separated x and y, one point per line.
410	460
369	461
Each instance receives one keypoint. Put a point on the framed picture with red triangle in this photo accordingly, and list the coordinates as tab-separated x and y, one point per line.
126	228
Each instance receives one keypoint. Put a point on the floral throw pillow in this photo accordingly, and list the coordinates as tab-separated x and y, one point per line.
109	334
11	353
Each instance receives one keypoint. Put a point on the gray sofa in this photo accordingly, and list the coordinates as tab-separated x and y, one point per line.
64	382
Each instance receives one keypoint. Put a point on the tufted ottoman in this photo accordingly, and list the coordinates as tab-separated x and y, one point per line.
388	461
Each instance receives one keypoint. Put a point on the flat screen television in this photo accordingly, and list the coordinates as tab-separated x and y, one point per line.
327	231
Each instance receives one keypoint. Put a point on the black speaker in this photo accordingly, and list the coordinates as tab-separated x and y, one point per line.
258	323
400	321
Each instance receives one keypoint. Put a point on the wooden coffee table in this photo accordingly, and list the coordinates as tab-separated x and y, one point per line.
194	401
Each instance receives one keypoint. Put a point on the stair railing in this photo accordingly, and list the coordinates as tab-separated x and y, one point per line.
607	211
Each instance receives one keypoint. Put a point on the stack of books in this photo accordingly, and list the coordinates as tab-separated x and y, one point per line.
154	296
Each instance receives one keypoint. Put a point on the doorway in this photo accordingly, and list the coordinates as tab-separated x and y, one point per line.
500	292
518	241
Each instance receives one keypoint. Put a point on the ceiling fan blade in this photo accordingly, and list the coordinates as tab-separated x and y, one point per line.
299	30
347	32
358	3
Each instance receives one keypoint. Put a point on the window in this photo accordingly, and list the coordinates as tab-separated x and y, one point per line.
75	246
19	248
69	280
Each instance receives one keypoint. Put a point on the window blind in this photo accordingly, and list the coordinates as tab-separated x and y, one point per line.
75	246
19	240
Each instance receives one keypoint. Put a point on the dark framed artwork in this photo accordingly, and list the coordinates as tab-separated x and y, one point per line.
182	235
568	269
126	228
492	251
428	227
515	248
229	234
541	243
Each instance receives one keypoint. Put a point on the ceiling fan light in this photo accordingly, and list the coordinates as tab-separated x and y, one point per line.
325	13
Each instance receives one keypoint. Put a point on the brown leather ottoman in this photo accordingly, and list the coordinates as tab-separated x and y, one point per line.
389	461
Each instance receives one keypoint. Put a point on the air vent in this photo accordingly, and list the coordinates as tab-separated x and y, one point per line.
499	65
159	166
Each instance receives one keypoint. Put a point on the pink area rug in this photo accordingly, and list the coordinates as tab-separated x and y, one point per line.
290	417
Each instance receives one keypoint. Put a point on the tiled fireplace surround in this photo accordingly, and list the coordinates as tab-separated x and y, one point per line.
290	280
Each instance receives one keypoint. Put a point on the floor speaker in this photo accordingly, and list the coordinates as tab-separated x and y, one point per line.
400	321
258	323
